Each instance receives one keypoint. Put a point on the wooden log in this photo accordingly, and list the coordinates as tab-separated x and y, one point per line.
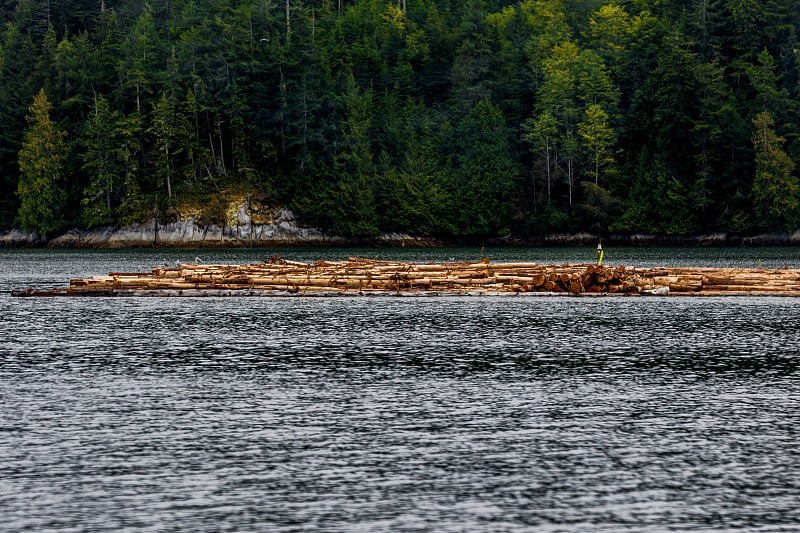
684	287
513	279
360	274
664	281
738	280
753	288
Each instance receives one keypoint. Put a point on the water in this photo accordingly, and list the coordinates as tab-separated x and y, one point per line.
396	413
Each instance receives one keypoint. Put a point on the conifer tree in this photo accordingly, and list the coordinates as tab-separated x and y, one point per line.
776	191
41	162
101	163
356	210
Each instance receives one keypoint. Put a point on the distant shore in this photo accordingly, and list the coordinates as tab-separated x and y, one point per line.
188	234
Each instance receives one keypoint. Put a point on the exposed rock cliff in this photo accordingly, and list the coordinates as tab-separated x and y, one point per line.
282	231
244	230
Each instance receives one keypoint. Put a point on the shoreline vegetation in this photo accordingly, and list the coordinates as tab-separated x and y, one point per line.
190	234
544	120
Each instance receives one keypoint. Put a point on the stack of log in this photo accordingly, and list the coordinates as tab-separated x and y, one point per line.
367	276
709	281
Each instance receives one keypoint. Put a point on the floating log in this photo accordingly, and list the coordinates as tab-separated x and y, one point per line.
369	276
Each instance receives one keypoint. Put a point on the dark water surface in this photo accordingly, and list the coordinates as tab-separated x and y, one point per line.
397	413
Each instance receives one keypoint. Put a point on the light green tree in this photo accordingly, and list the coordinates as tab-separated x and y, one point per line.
574	80
776	191
41	164
610	29
599	139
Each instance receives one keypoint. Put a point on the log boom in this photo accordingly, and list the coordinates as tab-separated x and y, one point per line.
368	276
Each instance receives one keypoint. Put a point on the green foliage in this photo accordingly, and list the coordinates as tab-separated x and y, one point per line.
411	193
599	206
657	205
99	163
599	140
110	163
542	134
17	54
776	190
554	220
41	160
355	212
484	173
169	128
416	116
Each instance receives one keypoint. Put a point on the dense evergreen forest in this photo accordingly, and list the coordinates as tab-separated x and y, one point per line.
433	117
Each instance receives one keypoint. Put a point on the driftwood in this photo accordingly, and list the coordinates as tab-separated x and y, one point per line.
367	276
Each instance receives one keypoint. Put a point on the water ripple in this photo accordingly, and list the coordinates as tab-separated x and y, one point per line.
386	414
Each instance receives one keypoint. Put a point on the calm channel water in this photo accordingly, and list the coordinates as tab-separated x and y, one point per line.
390	413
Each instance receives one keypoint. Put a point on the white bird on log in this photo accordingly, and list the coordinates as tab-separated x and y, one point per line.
198	261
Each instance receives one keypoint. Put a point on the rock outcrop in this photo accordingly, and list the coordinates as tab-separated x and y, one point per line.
16	238
244	231
283	231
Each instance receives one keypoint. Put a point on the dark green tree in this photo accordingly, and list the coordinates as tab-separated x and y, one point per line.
102	164
169	128
484	175
142	63
17	54
354	198
411	192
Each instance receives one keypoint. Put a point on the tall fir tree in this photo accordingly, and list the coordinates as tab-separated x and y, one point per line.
101	163
776	190
41	162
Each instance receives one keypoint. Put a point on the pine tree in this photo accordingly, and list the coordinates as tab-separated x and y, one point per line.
101	163
776	191
484	174
168	129
41	161
356	195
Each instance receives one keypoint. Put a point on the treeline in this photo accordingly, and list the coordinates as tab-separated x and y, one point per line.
434	117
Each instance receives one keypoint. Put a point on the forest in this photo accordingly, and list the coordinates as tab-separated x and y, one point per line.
468	118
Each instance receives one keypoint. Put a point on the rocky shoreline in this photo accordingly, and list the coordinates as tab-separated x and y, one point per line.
187	234
642	240
285	231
